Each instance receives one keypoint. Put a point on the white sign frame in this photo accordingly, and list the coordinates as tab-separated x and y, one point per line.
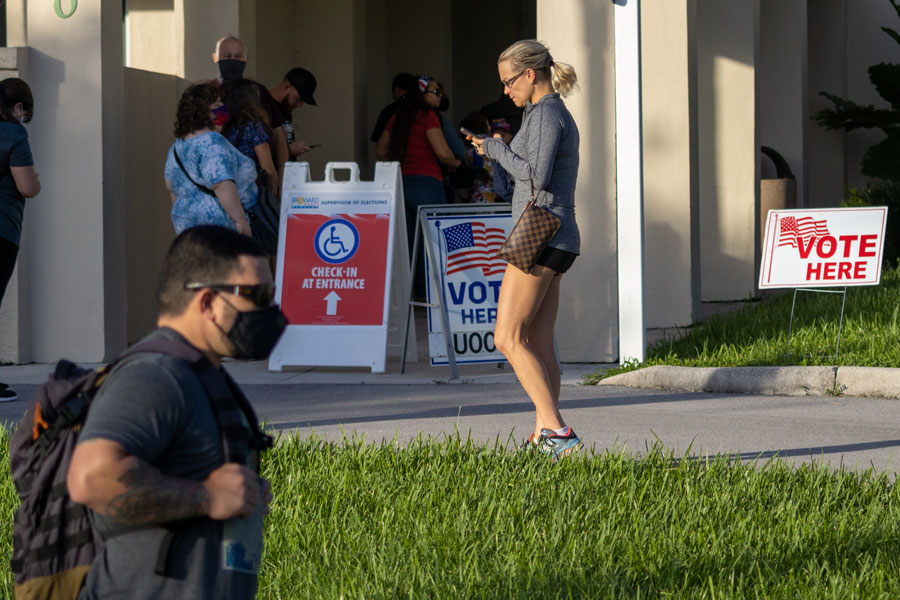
842	246
347	345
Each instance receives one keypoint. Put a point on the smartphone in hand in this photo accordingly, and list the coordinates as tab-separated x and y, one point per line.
472	134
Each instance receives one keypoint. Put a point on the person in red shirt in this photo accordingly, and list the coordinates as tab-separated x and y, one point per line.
413	137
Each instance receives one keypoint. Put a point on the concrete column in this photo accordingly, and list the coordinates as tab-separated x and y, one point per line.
783	105
728	146
15	23
580	33
672	274
74	229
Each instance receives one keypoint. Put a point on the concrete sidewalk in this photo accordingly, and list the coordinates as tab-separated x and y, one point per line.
869	382
257	373
872	382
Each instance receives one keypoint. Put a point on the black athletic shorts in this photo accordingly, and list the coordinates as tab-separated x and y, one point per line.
558	260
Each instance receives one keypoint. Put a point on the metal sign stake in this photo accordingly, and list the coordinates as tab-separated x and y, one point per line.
843	291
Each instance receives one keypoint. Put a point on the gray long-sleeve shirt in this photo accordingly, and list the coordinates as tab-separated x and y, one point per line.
544	151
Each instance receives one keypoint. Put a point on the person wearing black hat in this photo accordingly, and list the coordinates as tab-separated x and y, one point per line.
295	90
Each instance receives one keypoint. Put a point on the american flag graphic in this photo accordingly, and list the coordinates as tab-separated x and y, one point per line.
792	228
474	246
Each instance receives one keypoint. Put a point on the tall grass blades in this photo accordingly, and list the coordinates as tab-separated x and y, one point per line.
453	519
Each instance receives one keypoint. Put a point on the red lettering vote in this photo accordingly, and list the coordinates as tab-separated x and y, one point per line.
827	245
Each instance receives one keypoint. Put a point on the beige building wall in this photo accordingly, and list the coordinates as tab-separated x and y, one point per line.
146	199
668	54
331	42
15	24
728	146
782	87
72	255
153	37
580	32
826	155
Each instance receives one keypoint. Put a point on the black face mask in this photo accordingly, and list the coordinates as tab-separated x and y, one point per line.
255	332
232	69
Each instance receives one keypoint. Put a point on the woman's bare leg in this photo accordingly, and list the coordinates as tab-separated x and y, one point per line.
521	298
540	336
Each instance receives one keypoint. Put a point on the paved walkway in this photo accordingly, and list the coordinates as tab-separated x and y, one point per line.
487	404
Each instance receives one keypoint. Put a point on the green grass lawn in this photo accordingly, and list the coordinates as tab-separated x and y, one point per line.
758	334
452	519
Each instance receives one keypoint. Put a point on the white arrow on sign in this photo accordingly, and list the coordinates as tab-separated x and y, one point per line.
332	300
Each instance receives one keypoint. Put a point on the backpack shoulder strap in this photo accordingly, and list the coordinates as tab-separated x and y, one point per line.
210	377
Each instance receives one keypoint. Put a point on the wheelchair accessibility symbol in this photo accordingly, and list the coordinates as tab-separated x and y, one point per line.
336	241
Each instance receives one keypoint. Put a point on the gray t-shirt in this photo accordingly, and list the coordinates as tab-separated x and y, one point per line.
155	406
14	152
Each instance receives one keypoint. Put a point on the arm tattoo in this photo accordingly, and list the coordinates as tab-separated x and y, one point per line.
152	497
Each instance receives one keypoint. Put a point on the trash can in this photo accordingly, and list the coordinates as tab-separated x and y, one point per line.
775	194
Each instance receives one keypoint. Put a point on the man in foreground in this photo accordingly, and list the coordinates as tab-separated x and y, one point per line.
168	459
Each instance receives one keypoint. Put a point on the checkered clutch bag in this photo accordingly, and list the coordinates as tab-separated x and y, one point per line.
530	236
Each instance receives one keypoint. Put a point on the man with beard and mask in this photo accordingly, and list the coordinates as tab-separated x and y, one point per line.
295	90
168	458
230	57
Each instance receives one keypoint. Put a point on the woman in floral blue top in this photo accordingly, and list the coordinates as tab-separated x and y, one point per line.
248	130
208	161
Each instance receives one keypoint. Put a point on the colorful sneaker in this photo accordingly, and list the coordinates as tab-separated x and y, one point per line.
7	395
558	446
530	445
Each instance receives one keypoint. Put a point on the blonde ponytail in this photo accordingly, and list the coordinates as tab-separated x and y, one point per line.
564	78
531	54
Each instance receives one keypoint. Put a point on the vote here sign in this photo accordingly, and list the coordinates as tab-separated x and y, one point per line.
335	263
470	274
823	248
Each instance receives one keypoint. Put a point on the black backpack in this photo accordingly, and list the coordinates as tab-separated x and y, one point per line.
54	542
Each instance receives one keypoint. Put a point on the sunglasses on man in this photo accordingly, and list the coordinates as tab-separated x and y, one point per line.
261	294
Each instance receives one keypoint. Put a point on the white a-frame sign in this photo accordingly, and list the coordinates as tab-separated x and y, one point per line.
343	268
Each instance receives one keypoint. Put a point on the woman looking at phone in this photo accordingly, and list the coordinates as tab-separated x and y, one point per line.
544	153
413	136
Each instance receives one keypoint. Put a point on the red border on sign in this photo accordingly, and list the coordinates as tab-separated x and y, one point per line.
770	256
316	292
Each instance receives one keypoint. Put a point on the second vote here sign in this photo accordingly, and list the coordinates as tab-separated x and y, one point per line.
823	247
